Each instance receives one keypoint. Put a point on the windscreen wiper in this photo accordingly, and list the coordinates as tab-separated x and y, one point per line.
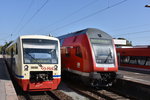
110	54
34	59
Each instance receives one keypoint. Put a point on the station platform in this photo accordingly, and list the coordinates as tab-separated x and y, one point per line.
7	91
135	83
135	74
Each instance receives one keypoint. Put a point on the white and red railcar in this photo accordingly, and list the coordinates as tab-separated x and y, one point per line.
34	61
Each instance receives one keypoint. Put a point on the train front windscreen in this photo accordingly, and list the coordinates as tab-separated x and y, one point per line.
40	51
103	50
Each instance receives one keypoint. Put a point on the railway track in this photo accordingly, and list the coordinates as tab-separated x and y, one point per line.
35	96
58	95
99	94
108	95
47	95
92	94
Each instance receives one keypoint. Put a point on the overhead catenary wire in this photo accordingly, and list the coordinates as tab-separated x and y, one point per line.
69	15
29	7
140	41
5	39
90	15
129	27
132	33
24	15
108	2
138	37
22	18
29	20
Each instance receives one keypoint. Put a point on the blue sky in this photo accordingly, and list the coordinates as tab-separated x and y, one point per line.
129	19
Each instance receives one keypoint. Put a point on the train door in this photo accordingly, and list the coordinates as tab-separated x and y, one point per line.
118	56
78	52
11	60
79	59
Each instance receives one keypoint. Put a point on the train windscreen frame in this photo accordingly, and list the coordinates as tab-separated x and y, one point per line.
103	50
40	51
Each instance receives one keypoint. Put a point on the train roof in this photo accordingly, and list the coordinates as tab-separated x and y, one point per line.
89	32
134	47
33	37
37	36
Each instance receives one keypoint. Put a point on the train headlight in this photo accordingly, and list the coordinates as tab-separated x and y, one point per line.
26	68
78	65
55	67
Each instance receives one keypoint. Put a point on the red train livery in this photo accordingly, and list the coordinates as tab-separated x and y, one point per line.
134	57
89	55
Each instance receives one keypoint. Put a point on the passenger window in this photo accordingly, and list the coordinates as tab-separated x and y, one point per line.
124	59
148	62
78	52
133	60
137	60
141	60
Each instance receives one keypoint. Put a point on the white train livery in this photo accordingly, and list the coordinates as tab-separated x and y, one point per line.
34	61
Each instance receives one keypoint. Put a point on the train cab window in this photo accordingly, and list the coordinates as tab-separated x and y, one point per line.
103	50
78	52
41	51
67	51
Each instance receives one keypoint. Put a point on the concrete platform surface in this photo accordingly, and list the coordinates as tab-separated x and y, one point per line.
7	91
136	75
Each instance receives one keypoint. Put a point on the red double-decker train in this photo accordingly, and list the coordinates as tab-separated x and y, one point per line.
138	57
89	55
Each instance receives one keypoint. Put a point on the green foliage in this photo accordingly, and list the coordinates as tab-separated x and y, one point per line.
2	48
129	43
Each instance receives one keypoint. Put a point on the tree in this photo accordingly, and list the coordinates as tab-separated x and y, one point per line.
2	48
